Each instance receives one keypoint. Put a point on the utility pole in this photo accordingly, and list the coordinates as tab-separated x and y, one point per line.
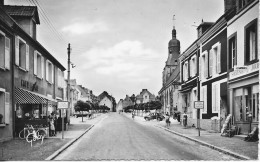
198	88
68	91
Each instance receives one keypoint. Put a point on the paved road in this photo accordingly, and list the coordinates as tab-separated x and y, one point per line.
117	137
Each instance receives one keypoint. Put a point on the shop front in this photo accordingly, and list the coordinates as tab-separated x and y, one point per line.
32	109
244	98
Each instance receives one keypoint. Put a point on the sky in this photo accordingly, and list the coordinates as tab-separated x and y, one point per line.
119	46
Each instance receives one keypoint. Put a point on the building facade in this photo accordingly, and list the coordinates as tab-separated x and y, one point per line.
243	64
36	76
144	97
169	92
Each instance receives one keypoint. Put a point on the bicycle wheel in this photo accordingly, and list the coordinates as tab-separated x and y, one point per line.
41	133
30	138
23	133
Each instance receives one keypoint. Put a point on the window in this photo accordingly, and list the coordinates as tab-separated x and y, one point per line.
38	64
49	72
215	60
21	53
232	52
185	71
251	42
4	105
4	51
247	101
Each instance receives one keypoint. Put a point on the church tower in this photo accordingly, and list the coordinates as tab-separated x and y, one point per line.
173	54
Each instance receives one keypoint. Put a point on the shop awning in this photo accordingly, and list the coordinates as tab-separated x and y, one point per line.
23	96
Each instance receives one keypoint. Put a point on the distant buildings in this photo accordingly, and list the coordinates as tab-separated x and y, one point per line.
107	100
144	97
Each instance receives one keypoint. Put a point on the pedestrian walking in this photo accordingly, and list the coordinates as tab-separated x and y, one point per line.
168	122
185	118
133	115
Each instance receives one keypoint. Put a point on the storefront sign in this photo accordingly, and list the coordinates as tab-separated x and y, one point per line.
29	85
245	70
63	105
199	104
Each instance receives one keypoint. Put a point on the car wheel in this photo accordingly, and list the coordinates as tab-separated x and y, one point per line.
146	119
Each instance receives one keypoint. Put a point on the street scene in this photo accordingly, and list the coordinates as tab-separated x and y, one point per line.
123	80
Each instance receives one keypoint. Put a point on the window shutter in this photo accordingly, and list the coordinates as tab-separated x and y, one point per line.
213	98
47	70
219	59
35	63
180	71
217	97
52	73
206	66
205	98
7	107
211	62
27	57
42	61
195	66
200	68
7	53
17	51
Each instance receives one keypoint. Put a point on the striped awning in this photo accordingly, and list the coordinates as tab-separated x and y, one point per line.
23	96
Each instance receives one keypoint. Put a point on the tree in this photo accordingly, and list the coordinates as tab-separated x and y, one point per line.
82	106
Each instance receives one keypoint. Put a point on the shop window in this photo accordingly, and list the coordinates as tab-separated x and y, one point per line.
4	51
232	50
21	54
251	42
38	65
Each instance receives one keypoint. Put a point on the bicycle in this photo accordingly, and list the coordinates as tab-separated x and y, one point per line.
24	132
35	135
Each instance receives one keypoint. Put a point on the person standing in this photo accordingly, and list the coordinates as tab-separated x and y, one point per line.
167	120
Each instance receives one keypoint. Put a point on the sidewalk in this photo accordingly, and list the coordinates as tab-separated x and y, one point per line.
233	146
19	150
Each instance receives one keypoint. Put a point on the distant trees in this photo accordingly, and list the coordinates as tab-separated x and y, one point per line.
87	106
153	105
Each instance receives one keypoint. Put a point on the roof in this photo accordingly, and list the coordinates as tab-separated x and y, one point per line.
142	93
27	11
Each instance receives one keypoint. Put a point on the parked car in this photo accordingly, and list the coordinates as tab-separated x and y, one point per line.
152	116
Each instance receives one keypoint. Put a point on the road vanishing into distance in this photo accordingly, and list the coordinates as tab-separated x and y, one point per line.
118	137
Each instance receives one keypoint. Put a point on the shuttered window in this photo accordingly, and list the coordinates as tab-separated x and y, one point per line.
21	53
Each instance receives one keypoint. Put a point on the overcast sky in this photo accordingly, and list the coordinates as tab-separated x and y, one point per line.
119	46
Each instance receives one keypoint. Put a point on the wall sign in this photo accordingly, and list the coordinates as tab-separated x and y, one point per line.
29	85
199	104
243	71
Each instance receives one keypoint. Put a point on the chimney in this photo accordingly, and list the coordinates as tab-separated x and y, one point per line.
228	4
2	2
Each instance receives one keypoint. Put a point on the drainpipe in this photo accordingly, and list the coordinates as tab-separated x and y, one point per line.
12	82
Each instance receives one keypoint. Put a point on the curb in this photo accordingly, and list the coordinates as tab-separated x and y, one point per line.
241	157
56	153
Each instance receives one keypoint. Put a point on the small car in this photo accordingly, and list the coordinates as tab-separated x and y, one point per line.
152	116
